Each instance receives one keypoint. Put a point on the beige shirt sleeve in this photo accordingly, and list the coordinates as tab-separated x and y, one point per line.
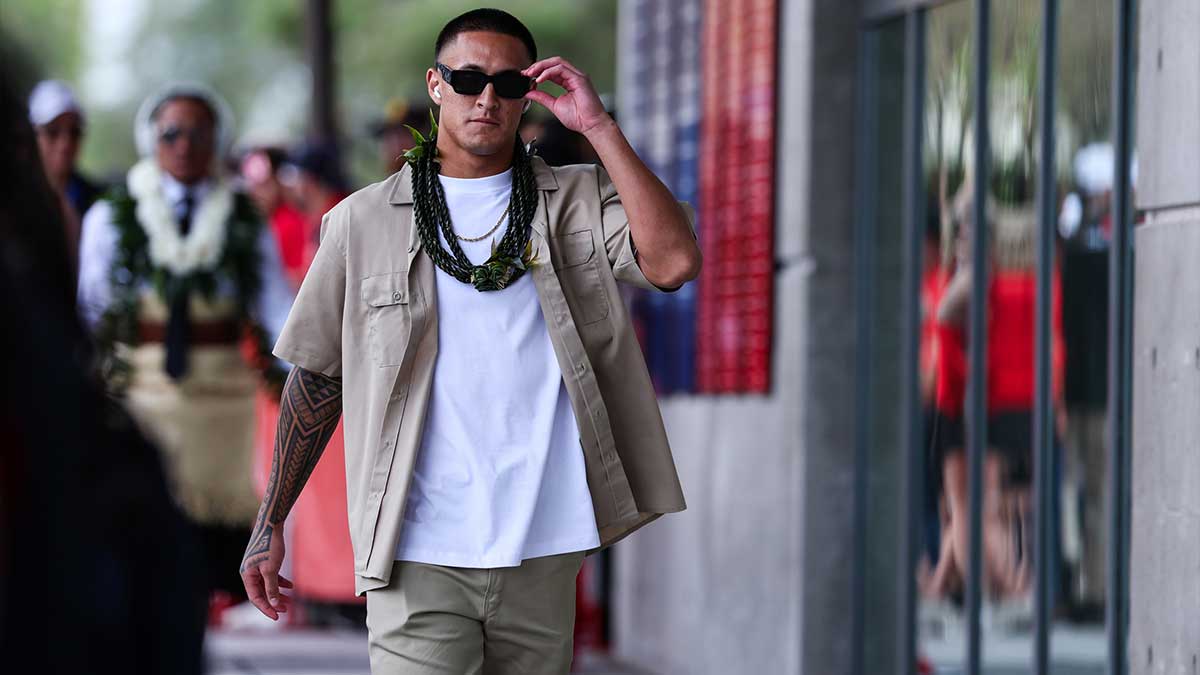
312	336
622	253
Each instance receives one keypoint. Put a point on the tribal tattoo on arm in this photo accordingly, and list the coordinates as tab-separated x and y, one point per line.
309	411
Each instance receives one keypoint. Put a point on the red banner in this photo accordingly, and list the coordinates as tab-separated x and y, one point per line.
737	196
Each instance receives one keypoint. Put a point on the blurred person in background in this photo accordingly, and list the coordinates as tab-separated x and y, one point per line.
260	170
392	134
322	560
1085	223
176	271
1008	460
488	446
97	565
314	182
59	122
934	276
557	144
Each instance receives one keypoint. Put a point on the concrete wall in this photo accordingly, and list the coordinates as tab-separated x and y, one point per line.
1165	538
755	576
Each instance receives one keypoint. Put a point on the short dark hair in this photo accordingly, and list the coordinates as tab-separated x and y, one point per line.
489	20
198	100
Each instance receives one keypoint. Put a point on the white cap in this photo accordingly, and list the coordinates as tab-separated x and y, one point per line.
49	99
1094	168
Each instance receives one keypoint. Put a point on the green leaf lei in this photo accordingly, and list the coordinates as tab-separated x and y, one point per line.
511	257
132	267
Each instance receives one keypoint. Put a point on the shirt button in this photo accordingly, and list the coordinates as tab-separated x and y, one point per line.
396	296
581	367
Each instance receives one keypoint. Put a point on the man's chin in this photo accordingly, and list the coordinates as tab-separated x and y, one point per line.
487	144
187	176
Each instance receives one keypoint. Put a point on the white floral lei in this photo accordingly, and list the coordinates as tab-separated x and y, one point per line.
204	243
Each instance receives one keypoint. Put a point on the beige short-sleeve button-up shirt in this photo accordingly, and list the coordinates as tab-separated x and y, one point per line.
367	313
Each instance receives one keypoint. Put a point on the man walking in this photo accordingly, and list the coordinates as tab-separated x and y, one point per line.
500	421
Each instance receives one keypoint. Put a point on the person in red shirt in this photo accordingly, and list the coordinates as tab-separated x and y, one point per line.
260	169
1012	295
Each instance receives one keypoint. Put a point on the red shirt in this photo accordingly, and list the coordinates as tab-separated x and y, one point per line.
292	235
1012	301
1011	347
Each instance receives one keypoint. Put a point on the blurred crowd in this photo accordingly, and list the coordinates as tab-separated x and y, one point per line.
1077	358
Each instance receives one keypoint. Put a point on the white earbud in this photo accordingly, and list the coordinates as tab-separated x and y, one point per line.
437	92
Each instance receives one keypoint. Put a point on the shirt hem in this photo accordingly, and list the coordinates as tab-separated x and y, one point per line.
540	550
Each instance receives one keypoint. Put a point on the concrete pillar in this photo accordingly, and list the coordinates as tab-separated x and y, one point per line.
1165	537
756	576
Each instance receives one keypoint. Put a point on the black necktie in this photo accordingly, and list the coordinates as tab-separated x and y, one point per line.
178	324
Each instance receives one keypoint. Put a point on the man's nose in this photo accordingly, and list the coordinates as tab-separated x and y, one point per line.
487	98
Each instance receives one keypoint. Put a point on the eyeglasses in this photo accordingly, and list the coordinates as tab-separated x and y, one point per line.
170	135
508	84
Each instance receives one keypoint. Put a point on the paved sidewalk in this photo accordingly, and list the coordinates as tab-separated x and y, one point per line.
320	652
1008	642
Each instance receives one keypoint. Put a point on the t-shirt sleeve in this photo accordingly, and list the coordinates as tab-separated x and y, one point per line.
618	241
312	335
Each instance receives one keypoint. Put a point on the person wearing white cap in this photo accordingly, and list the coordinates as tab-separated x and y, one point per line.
176	271
59	121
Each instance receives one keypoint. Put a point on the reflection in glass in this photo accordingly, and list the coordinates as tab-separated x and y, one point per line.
1078	333
1085	170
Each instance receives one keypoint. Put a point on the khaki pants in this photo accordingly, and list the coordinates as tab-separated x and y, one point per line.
435	620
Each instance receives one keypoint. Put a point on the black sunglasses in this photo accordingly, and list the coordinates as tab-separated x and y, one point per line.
171	134
509	84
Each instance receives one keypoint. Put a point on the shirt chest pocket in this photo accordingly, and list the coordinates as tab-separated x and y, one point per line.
577	265
389	316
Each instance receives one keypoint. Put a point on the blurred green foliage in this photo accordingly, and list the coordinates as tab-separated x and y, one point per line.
25	26
1083	89
254	54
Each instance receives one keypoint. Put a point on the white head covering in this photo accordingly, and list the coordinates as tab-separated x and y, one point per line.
145	132
49	99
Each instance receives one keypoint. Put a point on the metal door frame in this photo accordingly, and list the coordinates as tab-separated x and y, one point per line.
914	14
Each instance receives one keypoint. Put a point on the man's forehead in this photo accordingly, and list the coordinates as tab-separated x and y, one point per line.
185	106
485	50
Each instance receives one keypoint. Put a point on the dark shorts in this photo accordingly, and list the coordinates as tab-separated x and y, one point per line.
1010	435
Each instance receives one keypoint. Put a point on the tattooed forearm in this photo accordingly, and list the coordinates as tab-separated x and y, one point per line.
308	414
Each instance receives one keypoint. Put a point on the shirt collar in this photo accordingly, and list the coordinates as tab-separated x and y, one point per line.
174	191
401	191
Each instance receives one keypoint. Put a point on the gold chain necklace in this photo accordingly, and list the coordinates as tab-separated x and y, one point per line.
487	234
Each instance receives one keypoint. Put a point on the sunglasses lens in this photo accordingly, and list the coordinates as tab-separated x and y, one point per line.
511	85
468	82
170	136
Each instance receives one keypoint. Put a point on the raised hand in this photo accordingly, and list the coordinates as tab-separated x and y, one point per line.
580	108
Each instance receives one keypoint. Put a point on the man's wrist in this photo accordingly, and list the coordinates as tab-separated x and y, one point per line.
602	131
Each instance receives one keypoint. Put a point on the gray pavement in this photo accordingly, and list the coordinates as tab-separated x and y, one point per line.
269	651
1008	642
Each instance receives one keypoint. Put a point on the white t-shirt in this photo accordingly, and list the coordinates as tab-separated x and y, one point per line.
500	475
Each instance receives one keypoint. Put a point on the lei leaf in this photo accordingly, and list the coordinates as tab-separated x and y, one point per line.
424	144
